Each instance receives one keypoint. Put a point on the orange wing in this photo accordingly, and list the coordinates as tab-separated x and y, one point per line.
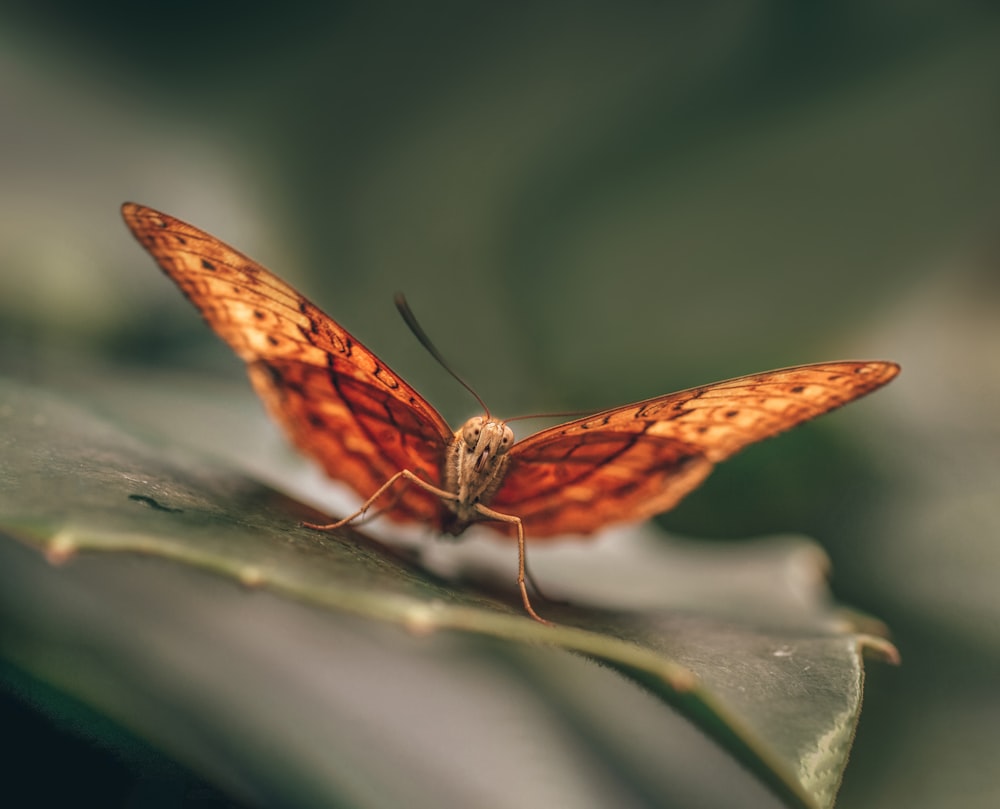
338	402
632	462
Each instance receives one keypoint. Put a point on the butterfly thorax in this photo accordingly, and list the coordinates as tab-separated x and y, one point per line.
475	465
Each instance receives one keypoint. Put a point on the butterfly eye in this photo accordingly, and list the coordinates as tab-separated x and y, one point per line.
472	430
508	437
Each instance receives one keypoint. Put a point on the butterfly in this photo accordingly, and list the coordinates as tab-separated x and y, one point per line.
345	408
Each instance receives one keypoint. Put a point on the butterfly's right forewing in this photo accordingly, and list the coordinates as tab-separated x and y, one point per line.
337	401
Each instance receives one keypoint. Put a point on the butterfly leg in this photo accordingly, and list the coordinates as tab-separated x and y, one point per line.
488	513
522	564
403	474
537	588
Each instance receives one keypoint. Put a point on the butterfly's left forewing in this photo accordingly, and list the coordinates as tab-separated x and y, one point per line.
337	401
632	462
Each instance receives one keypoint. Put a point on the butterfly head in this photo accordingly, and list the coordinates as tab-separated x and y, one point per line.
486	440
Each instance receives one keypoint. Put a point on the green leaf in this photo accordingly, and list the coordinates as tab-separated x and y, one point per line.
157	607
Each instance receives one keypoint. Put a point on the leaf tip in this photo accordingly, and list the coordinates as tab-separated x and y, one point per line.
880	649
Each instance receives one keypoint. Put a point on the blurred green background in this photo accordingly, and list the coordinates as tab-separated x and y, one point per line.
586	203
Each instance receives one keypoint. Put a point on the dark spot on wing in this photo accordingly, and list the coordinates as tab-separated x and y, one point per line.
388	381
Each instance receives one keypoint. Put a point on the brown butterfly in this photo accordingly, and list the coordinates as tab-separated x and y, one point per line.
341	405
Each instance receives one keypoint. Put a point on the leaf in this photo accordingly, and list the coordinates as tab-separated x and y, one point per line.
267	696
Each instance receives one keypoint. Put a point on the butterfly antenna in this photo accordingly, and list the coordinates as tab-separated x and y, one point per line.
565	414
418	332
